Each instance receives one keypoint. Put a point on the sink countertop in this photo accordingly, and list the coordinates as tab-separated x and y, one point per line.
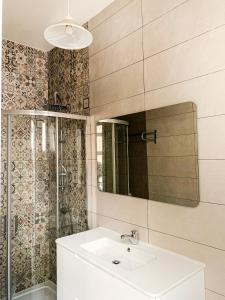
153	279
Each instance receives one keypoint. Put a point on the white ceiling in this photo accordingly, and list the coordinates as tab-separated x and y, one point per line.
24	21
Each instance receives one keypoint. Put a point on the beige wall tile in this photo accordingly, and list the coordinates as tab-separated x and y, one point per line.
114	97
211	142
212	175
213	258
92	220
184	188
121	54
126	21
213	296
188	20
204	224
94	172
124	208
153	9
197	57
180	145
122	227
89	198
117	86
88	125
118	108
173	125
171	110
89	171
93	146
110	10
200	90
88	146
173	166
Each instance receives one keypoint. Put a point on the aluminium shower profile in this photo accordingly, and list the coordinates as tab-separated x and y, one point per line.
9	146
57	177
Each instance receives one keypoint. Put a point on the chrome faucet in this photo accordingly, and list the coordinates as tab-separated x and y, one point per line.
132	238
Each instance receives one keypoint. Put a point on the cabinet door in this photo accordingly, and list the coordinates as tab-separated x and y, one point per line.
191	289
80	280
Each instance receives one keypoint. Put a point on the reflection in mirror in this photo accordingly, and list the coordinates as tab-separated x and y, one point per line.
151	154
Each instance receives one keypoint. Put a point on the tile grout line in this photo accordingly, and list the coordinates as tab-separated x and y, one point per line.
114	43
186	41
166	13
105	216
163	87
215	292
151	21
113	102
186	80
164	233
143	55
143	25
163	50
107	18
191	241
144	59
117	71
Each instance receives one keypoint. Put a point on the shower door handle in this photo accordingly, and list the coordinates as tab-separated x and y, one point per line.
4	226
15	226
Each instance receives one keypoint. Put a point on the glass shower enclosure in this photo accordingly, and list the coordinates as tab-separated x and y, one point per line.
112	156
43	197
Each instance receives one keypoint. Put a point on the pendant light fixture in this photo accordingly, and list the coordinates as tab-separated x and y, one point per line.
67	34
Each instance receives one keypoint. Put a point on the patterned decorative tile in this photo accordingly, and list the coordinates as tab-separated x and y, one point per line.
41	233
22	193
21	128
21	150
25	76
22	171
30	78
69	71
42	171
21	268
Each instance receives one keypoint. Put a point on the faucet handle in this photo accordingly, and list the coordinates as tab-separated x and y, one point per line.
134	234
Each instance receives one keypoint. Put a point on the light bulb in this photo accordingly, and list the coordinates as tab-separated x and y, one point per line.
69	29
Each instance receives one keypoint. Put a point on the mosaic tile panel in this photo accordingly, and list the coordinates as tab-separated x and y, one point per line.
24	86
69	76
24	77
73	194
30	77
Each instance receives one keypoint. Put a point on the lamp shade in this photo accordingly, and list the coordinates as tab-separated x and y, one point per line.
68	35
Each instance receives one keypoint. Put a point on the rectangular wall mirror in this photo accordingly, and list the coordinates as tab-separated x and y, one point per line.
151	154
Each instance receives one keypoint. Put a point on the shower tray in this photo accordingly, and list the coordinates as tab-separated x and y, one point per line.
44	291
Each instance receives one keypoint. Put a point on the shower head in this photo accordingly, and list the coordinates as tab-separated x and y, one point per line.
58	108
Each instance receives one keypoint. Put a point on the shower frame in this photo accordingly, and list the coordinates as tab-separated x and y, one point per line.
115	122
38	113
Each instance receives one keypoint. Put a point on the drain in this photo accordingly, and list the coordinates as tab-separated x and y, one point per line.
116	262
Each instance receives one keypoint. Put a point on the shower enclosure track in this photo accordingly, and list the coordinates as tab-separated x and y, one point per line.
44	113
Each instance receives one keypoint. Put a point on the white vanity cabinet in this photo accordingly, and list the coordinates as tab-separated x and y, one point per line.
80	280
84	276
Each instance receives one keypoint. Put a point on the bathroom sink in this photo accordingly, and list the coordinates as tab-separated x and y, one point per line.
97	264
122	255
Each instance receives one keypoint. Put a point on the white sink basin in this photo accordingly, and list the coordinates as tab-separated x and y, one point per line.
85	261
122	255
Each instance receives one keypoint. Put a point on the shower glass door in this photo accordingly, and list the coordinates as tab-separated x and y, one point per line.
43	198
32	206
71	176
